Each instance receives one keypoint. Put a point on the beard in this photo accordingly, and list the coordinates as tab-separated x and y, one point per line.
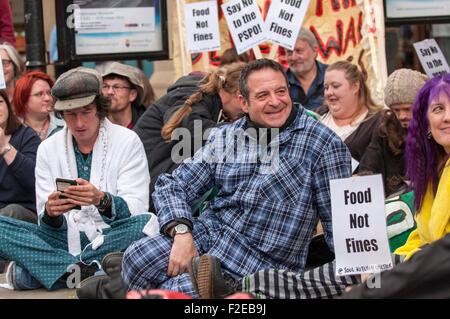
303	68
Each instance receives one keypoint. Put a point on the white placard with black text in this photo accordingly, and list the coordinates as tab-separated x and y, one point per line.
245	23
284	20
359	225
202	26
2	76
431	58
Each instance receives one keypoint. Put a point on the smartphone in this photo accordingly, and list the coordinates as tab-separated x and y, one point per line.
62	184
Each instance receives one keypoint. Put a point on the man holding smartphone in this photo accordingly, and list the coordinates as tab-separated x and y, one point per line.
92	190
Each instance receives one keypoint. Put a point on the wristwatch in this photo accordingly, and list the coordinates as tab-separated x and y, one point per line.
180	229
104	202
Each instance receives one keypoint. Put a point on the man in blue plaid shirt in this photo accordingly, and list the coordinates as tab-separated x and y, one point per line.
273	188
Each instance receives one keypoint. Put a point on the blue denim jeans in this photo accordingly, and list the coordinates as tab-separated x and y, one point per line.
21	279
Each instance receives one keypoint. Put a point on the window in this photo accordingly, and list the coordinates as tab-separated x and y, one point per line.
96	30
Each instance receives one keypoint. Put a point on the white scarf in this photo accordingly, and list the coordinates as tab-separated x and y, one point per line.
88	219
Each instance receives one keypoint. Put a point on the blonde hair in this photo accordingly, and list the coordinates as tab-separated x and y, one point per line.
225	78
354	75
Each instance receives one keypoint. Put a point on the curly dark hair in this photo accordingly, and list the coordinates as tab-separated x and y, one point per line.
254	66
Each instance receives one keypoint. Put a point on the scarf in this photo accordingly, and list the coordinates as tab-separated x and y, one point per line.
88	219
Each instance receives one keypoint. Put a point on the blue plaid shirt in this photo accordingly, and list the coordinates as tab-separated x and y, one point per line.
265	214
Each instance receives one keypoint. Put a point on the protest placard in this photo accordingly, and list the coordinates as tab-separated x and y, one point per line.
202	26
245	23
359	225
431	57
284	20
2	76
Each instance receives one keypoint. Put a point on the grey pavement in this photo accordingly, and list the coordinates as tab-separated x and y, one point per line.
35	294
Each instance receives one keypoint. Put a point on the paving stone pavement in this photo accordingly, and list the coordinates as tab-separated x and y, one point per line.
35	294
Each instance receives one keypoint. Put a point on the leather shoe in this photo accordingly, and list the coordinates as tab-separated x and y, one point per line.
208	279
102	287
112	262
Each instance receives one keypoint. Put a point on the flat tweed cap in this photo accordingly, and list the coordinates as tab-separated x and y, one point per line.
76	88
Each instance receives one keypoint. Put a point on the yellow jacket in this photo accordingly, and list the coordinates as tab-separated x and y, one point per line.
433	219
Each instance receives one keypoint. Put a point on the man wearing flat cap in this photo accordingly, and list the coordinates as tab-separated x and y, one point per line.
105	211
121	83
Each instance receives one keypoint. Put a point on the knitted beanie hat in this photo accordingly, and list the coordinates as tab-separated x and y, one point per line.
402	86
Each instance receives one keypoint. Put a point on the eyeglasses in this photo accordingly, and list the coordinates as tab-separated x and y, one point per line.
41	94
116	88
6	63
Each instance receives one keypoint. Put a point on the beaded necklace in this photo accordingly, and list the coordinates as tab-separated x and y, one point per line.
42	132
103	136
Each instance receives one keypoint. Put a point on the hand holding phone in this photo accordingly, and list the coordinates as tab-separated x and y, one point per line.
62	184
85	193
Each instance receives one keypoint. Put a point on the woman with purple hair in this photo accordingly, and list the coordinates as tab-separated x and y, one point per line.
428	167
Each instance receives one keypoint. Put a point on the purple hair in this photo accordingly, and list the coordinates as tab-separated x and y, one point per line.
424	155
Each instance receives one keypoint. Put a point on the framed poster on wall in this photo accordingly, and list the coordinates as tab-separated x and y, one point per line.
416	11
96	30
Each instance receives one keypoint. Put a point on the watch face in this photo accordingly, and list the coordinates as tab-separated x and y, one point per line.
181	229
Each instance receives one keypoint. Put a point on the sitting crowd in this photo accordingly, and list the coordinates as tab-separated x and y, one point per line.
101	185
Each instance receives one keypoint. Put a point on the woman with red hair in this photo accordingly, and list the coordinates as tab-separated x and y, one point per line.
33	103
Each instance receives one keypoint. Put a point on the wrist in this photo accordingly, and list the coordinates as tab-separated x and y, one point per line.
105	202
100	197
47	211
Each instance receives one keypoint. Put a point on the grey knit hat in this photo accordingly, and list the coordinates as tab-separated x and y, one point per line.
402	86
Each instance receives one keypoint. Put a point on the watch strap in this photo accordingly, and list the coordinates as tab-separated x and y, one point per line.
105	202
167	228
172	231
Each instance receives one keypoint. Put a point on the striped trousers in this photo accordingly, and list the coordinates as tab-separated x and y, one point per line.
318	283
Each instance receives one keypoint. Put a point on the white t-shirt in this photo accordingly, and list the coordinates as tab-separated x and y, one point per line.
342	131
